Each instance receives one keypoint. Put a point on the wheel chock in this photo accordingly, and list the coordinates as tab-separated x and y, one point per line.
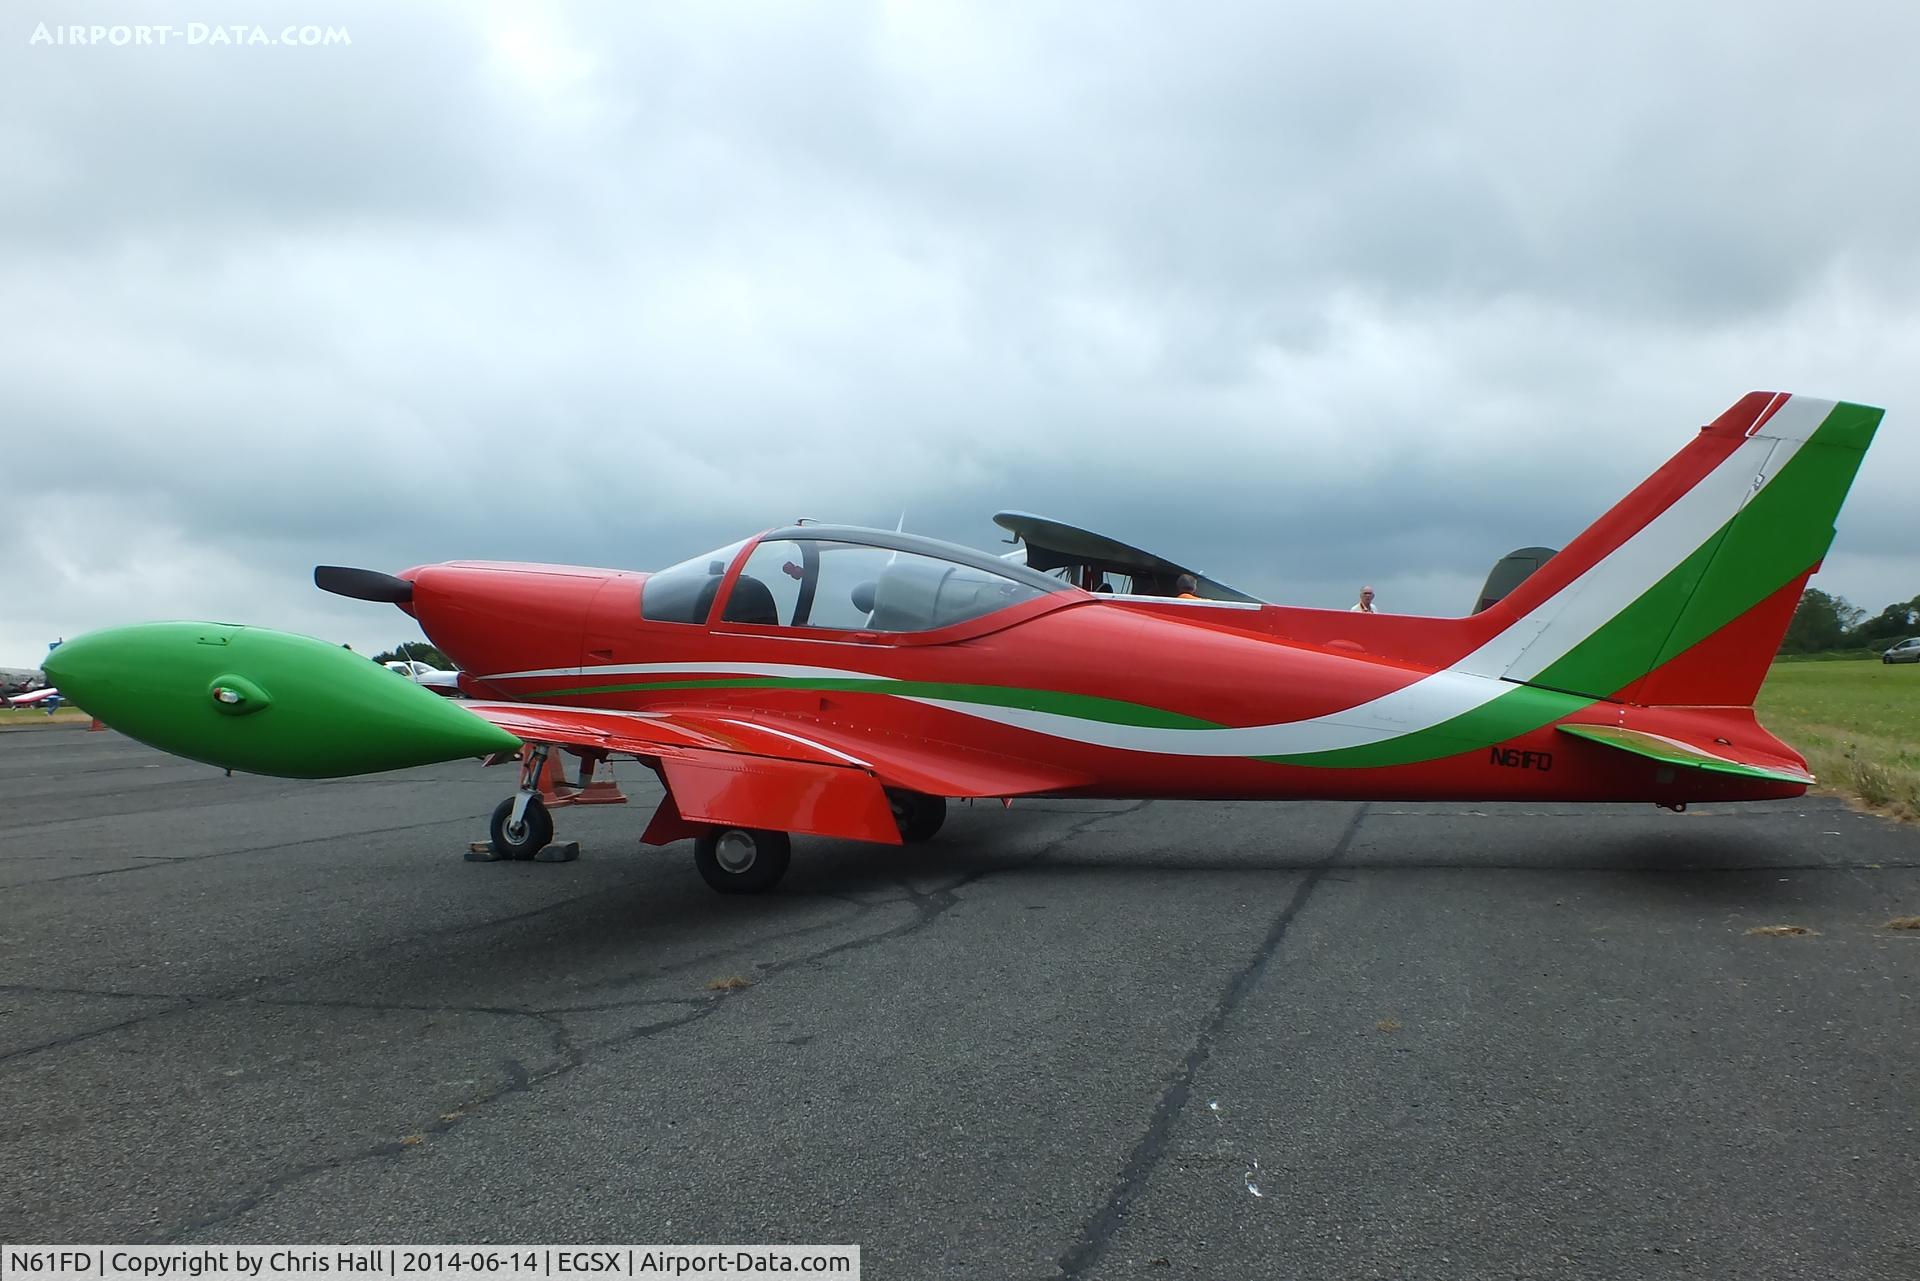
559	853
483	852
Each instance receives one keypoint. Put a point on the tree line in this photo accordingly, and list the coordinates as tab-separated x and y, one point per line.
1822	623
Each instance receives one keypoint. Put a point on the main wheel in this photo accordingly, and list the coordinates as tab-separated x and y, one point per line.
918	814
742	860
526	838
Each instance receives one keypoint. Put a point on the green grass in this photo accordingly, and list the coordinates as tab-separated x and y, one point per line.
38	716
1857	723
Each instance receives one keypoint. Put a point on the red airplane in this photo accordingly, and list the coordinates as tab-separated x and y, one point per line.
847	682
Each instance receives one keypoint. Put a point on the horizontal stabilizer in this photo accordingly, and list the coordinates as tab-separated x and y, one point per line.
1674	751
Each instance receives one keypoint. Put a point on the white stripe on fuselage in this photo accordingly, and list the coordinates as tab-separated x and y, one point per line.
728	669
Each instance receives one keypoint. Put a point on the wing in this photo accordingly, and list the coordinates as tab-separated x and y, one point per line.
1676	751
760	770
447	683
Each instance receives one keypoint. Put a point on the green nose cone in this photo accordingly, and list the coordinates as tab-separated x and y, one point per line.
264	702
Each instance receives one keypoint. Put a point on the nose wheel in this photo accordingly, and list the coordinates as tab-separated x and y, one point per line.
742	860
523	836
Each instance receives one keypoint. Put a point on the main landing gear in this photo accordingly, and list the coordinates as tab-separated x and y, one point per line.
918	815
751	860
742	860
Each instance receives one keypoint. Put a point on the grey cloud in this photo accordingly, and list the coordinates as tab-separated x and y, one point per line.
1306	296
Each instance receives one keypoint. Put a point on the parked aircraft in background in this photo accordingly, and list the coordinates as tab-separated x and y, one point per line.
439	680
847	682
46	696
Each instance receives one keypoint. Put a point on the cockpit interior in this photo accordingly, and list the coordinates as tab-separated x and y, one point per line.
842	579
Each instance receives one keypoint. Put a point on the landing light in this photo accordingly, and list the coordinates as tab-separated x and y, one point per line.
237	696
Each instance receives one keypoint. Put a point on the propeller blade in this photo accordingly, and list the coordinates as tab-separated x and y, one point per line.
362	584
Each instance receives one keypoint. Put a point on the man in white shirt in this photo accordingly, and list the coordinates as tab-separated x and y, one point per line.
1366	602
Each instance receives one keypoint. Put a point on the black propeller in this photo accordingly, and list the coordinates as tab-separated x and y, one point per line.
362	584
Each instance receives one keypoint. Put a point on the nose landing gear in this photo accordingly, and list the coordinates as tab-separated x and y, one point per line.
522	825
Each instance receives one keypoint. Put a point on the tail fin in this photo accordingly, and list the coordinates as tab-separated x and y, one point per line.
1681	593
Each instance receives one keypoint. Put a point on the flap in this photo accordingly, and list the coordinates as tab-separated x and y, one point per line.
787	796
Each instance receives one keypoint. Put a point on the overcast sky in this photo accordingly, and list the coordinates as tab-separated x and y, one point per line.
1306	295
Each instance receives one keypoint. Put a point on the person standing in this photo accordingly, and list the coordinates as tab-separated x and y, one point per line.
1365	605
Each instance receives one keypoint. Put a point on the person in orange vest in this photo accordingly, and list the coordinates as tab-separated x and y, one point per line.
1186	588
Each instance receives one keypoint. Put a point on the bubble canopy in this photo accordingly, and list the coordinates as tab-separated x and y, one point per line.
843	578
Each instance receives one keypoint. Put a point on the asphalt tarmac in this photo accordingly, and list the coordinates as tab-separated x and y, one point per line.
1067	1039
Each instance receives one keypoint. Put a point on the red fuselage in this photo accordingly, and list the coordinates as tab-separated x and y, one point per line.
576	637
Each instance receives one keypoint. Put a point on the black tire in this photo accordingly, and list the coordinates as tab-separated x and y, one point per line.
535	832
742	860
918	815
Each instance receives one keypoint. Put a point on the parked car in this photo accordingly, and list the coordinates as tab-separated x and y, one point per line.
1907	651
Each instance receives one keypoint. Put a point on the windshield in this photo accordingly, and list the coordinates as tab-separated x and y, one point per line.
847	586
684	593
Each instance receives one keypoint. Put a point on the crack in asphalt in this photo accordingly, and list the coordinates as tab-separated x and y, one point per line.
41	989
254	990
159	861
1096	1235
199	792
931	904
251	992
